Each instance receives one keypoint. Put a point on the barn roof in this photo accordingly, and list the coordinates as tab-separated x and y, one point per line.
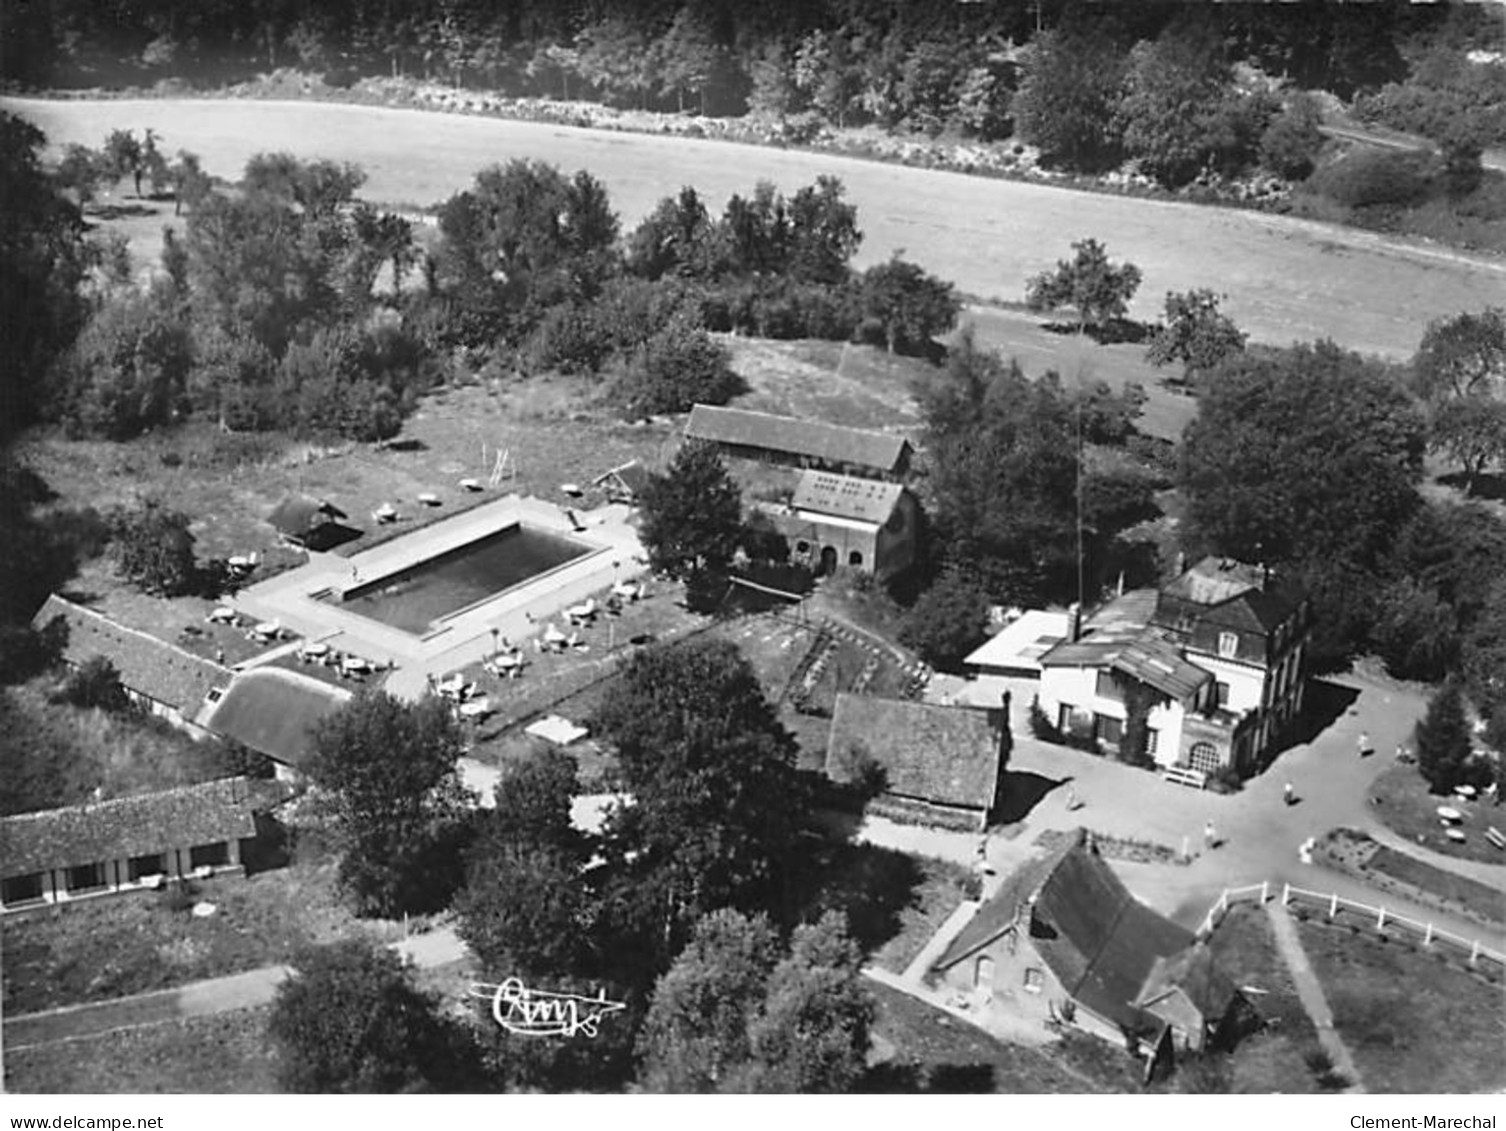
147	665
1099	941
941	755
882	451
299	515
273	710
126	826
845	496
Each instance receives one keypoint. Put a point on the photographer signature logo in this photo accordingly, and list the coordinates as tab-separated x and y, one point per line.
539	1013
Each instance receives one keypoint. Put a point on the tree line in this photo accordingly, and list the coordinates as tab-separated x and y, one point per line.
266	313
926	66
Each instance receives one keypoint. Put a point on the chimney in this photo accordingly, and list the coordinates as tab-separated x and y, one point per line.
1074	623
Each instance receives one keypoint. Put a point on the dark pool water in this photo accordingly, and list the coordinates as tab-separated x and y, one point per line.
415	598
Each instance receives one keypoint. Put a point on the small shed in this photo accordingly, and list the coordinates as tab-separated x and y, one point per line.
941	765
301	520
624	483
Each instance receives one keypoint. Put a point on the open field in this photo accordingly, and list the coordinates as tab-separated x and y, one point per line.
1286	279
1413	1023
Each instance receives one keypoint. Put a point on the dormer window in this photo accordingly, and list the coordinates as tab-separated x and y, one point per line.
1228	644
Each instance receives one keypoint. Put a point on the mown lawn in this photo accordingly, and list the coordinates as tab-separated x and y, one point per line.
115	946
227	1053
1404	805
1272	1060
1413	1022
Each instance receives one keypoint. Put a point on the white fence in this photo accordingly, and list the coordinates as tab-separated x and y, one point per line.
1379	919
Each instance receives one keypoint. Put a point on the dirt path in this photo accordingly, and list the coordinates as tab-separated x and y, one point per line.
1286	279
1310	991
196	999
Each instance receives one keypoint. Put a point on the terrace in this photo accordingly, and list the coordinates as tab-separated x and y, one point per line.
435	600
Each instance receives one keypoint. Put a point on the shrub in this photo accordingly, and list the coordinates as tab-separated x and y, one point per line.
676	368
1225	779
1365	178
94	684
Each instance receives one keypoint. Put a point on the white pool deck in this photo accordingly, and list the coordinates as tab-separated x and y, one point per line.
293	599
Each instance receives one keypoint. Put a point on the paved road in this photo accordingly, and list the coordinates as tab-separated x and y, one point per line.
1260	833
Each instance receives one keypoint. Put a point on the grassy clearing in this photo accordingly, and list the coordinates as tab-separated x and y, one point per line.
1355	853
131	944
1272	1060
1477	898
1413	1023
1286	279
1404	805
227	1053
935	1052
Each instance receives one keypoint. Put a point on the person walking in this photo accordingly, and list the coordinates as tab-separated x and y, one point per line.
1210	839
1289	794
1364	744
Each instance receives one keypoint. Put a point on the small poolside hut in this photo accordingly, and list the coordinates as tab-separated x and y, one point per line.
301	520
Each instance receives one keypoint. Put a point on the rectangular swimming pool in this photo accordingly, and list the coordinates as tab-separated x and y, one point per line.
414	598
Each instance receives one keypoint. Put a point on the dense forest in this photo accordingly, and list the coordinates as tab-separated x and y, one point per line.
979	68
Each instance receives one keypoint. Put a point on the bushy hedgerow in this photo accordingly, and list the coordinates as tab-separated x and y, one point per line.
1364	178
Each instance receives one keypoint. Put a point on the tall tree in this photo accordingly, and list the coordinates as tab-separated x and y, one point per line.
388	772
691	515
1308	456
677	238
716	806
910	306
128	370
1097	290
1194	332
526	908
1442	738
1461	356
1180	114
526	237
43	261
696	1035
734	1015
154	549
351	1020
1003	477
1071	81
813	1033
823	231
